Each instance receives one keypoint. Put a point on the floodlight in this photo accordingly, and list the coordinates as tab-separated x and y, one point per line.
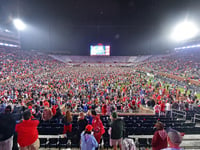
6	30
184	31
19	24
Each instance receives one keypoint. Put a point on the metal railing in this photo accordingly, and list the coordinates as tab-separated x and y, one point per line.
179	113
196	117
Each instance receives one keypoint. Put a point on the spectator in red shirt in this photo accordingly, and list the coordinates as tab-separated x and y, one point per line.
28	133
104	109
162	108
157	109
97	126
54	110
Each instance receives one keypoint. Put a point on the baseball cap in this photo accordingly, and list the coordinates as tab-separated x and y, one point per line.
89	128
46	104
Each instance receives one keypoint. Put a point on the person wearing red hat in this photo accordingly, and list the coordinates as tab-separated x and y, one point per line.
88	141
46	104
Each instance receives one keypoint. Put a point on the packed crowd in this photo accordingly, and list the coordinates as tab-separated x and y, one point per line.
184	63
36	86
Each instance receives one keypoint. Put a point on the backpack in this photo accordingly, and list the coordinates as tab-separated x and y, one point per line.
128	144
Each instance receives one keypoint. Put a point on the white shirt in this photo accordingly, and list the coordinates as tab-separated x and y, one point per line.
168	106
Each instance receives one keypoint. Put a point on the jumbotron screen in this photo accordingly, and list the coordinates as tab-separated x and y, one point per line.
100	50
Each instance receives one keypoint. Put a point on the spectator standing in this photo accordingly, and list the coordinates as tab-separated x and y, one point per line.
7	129
2	107
67	120
82	123
117	127
157	109
88	141
162	108
181	106
89	117
104	109
159	140
97	126
27	133
174	139
168	109
47	112
175	105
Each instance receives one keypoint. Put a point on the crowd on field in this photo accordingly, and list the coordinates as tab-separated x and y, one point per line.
35	87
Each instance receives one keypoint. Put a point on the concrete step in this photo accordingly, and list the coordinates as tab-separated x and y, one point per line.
197	125
188	121
190	144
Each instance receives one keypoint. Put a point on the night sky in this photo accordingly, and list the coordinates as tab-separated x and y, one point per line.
131	27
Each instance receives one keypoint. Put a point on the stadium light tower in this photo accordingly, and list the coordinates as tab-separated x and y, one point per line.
19	24
184	31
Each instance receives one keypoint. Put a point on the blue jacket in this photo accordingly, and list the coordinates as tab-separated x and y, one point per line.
89	119
88	142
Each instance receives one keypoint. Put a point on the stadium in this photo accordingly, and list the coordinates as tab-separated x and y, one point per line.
95	75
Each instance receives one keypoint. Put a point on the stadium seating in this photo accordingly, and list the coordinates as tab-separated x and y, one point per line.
134	125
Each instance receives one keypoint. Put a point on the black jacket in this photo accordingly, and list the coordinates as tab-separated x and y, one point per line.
117	129
82	123
7	126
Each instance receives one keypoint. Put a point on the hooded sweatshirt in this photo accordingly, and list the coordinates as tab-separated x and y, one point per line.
88	142
159	140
